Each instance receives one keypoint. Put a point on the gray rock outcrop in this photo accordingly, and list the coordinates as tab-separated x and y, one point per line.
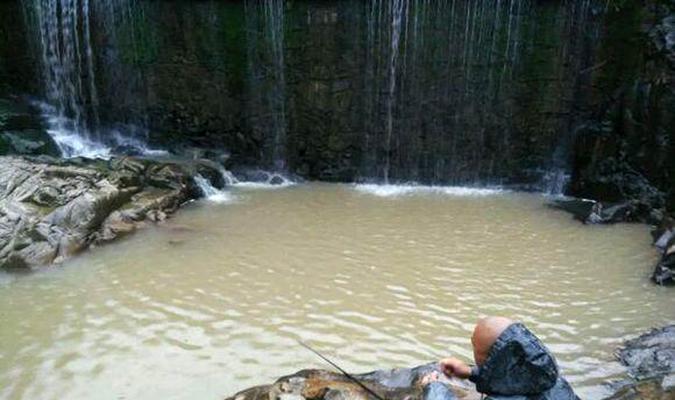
51	209
650	360
396	384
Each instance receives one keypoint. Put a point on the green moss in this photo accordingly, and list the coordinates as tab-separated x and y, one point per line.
138	41
621	51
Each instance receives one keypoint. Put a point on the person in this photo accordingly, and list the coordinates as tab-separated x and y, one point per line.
511	364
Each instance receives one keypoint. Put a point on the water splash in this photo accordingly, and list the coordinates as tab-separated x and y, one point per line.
68	63
407	190
210	192
228	177
555	182
263	180
72	143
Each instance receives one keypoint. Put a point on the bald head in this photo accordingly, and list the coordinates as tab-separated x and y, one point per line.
485	335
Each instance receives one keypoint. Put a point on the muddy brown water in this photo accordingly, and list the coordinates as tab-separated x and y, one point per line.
212	301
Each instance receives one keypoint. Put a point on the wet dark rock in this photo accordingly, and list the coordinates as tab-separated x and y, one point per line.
250	174
396	384
579	208
612	213
664	241
595	212
27	142
664	272
277	180
22	130
650	389
650	359
663	37
650	355
51	209
211	171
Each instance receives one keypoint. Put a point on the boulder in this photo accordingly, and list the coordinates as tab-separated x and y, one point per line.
650	355
596	212
664	241
28	142
651	389
22	130
396	384
650	359
612	213
51	209
664	272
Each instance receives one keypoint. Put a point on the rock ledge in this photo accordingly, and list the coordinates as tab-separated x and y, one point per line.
51	209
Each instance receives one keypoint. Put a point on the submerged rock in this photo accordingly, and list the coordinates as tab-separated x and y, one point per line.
51	209
396	384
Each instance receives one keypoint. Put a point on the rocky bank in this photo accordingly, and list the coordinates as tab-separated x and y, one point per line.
395	384
51	209
650	361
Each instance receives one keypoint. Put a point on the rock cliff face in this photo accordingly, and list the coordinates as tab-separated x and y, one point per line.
624	153
51	209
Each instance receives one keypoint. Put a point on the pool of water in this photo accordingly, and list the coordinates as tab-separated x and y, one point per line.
213	300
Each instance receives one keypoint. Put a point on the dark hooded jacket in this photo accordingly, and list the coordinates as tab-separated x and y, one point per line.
520	367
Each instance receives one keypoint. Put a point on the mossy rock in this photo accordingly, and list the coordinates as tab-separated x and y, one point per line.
28	142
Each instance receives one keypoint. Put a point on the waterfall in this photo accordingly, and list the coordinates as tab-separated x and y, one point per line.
210	192
396	16
68	65
477	66
274	19
68	60
452	92
267	76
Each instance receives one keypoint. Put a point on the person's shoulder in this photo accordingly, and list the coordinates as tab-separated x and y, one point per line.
561	391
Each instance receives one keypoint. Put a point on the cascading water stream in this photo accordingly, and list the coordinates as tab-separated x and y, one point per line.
267	76
274	19
452	92
68	70
210	192
64	35
396	16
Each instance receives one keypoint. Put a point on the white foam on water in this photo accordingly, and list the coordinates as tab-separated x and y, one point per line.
383	190
211	193
273	181
263	185
73	143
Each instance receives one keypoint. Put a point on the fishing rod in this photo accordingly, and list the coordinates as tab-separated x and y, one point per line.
345	373
358	382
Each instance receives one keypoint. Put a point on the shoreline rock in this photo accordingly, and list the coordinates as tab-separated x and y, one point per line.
663	232
51	209
650	359
395	384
